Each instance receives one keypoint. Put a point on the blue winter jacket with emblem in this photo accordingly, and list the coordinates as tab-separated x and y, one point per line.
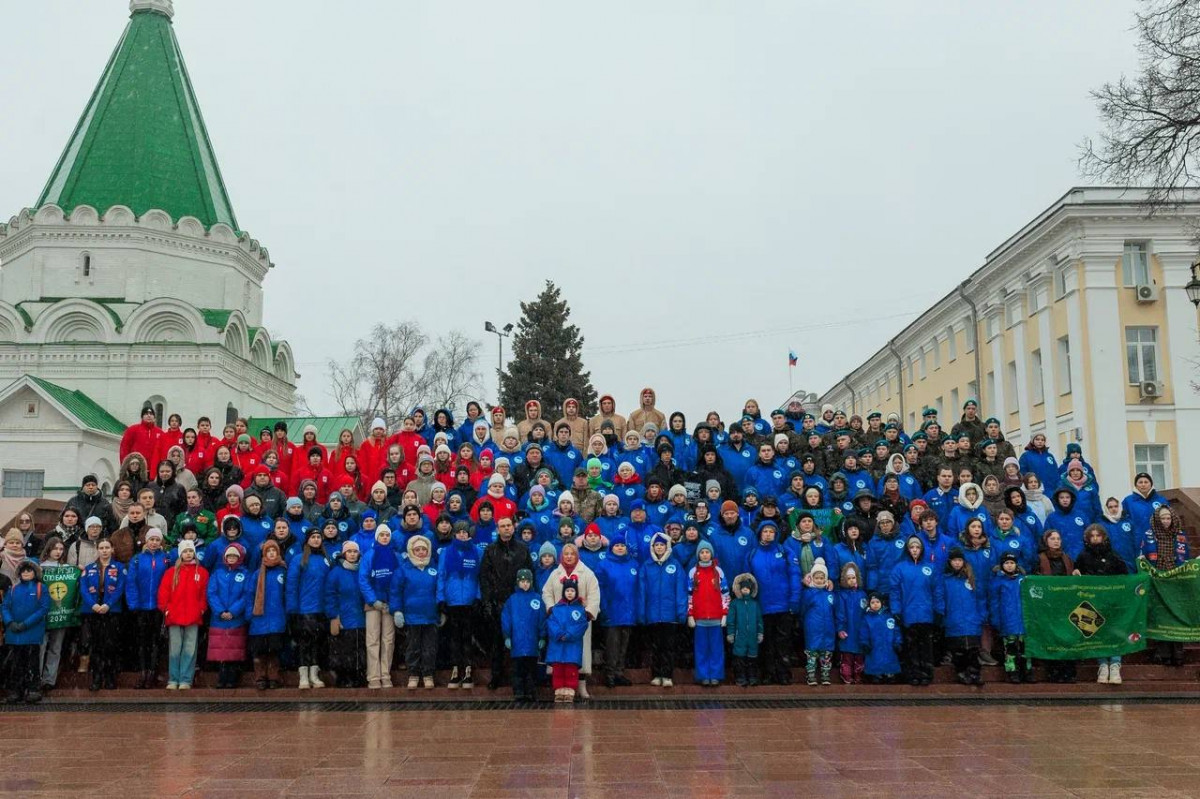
523	622
274	616
849	614
142	576
662	588
565	629
883	554
817	609
778	576
880	642
913	589
458	574
619	601
414	592
343	600
1004	603
27	602
228	592
306	585
102	586
961	604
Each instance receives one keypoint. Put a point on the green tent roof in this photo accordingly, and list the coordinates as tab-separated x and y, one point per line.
82	407
328	427
141	141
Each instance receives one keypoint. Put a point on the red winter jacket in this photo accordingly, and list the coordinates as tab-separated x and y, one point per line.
372	456
143	439
320	475
337	458
183	604
708	598
168	439
504	507
409	444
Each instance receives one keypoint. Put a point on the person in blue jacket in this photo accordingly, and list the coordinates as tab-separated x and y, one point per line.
1141	504
1004	612
962	604
883	552
970	506
229	596
142	576
777	572
305	602
457	596
546	563
375	572
414	603
618	576
347	620
1006	536
561	455
24	614
737	455
443	422
1037	458
879	641
102	594
1068	520
732	540
851	548
849	614
565	628
231	533
268	616
523	624
1023	516
820	628
744	629
943	497
1122	534
766	476
662	591
1087	490
912	600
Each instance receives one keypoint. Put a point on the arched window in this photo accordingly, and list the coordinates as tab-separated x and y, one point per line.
86	266
159	404
231	414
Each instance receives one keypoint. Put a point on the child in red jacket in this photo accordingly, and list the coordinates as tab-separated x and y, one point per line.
708	606
183	598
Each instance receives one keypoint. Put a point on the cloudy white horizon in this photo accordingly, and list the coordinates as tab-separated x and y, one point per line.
710	183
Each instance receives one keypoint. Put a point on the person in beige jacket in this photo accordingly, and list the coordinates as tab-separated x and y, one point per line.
569	565
533	413
647	413
578	424
608	413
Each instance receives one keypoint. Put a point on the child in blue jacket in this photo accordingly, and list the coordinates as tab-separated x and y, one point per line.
457	595
143	574
414	603
305	602
523	622
744	629
229	596
849	611
347	619
962	604
662	590
565	629
102	593
1004	611
24	614
879	640
816	609
547	562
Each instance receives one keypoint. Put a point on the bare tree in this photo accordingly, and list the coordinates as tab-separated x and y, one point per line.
1152	121
396	367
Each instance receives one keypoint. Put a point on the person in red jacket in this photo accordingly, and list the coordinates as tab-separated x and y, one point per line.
409	439
183	598
372	453
308	440
707	609
206	442
285	449
279	477
316	471
142	438
245	457
503	507
172	436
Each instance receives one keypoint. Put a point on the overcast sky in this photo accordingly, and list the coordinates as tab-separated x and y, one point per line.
711	183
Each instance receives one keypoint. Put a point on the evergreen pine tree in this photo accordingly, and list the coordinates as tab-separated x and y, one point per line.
546	363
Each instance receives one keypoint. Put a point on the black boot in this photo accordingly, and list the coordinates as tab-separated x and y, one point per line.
33	697
141	681
97	681
14	696
110	681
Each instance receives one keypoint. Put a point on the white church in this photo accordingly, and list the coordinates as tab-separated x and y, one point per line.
130	281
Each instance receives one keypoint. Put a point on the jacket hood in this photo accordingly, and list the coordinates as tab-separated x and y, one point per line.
608	397
666	539
412	542
742	578
653	396
578	407
1120	511
891	465
1065	489
962	496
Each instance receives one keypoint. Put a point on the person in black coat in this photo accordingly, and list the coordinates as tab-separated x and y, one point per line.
498	569
1099	560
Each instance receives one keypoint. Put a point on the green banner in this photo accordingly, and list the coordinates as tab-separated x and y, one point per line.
62	582
1073	618
1173	607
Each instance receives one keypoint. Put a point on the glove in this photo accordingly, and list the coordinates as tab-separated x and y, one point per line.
226	616
441	620
760	638
380	605
723	620
335	626
729	638
541	643
843	635
691	622
17	626
508	643
398	617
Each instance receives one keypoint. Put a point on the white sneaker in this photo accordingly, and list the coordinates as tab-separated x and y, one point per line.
1102	674
171	686
304	683
427	682
1114	674
668	682
314	676
184	686
656	681
413	682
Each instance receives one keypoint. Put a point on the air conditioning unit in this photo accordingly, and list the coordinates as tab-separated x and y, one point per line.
1146	292
1150	389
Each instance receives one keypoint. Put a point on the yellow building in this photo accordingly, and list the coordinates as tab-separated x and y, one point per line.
1077	326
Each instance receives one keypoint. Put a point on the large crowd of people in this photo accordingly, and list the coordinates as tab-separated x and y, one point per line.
568	550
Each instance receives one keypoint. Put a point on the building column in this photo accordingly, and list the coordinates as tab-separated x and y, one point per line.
1108	450
1183	348
1049	347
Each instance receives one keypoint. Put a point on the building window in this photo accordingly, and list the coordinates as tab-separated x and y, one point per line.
1135	264
951	344
1011	401
86	266
972	393
992	326
910	371
231	414
1141	353
1035	367
1063	370
1037	299
912	420
989	382
160	406
937	354
22	482
921	363
969	331
941	407
1152	459
1060	281
1012	311
954	398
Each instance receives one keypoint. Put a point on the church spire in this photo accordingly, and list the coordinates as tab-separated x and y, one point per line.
141	141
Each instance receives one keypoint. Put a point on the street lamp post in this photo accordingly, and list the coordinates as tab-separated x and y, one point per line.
1193	286
501	334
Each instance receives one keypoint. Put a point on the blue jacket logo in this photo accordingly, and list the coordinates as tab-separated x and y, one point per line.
670	568
925	570
279	578
829	598
633	571
742	540
862	603
778	475
1014	544
891	624
432	572
899	544
778	554
987	553
1127	527
343	527
576	615
239	577
571	454
1078	522
535	604
602	555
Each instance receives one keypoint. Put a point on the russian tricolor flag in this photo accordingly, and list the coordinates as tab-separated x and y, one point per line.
793	358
